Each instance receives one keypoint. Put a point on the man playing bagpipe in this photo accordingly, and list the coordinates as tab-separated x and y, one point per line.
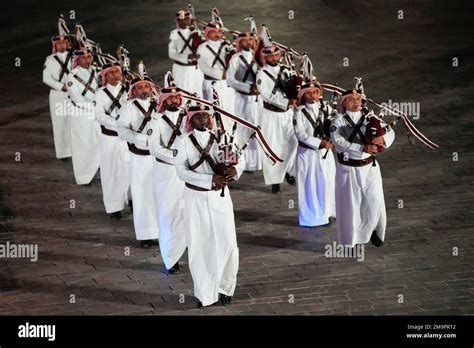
82	84
55	73
206	169
315	165
242	77
134	126
167	187
182	49
211	56
114	158
360	204
278	89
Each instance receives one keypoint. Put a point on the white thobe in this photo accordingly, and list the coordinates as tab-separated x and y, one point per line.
58	102
168	188
212	244
187	76
84	128
315	174
360	203
277	127
114	158
213	71
246	106
141	168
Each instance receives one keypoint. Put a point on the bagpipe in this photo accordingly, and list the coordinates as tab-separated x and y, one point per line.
229	153
197	34
323	131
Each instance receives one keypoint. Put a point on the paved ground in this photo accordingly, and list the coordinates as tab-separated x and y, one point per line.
283	269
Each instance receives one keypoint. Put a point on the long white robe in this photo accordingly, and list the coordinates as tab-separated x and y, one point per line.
168	190
360	203
189	78
141	169
315	175
114	157
246	106
84	128
277	128
212	244
216	72
58	103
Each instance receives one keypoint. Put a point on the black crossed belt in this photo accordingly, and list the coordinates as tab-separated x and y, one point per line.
108	132
244	93
196	188
137	151
353	162
207	77
185	64
304	145
161	161
272	107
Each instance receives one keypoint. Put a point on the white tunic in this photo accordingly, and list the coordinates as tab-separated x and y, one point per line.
360	203
188	77
209	218
168	188
316	175
114	158
141	168
84	128
213	71
58	102
277	127
241	78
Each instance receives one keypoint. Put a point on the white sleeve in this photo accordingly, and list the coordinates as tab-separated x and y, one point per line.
341	143
48	78
184	173
389	136
231	79
125	131
300	131
75	95
173	52
154	144
240	167
100	114
265	87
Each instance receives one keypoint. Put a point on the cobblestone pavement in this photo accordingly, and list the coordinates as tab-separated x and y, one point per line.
426	266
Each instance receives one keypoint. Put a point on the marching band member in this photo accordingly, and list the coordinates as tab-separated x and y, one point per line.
360	203
182	47
277	118
167	187
82	86
315	165
241	76
134	127
55	73
211	56
114	171
212	244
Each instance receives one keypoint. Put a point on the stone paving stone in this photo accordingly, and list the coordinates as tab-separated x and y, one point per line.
81	250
